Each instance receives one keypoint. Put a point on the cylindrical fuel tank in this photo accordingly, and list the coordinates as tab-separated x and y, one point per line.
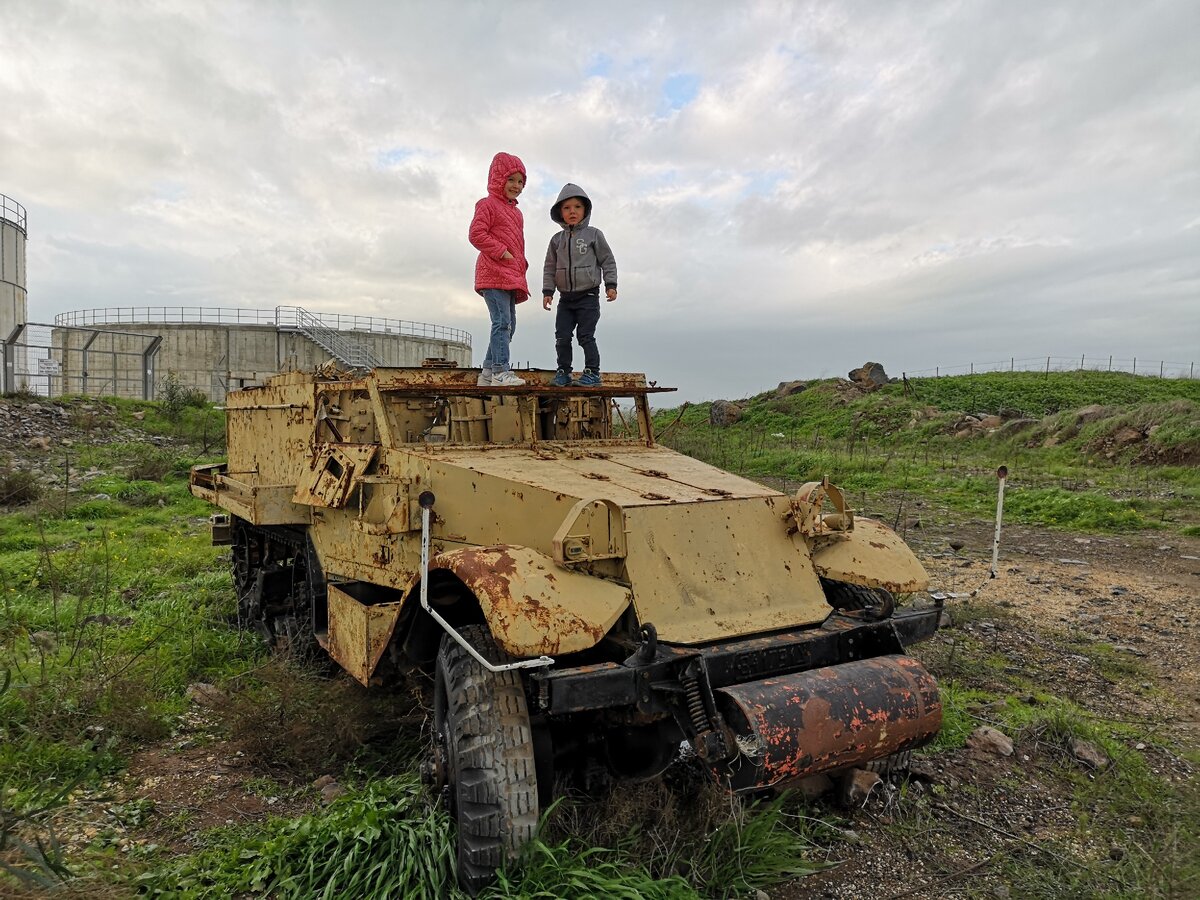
798	725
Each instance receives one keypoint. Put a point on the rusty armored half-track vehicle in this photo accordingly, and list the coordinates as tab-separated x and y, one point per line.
584	599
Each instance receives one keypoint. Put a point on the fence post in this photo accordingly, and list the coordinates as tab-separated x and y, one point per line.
1081	358
937	371
1161	363
1047	367
1135	365
972	368
1012	364
1110	362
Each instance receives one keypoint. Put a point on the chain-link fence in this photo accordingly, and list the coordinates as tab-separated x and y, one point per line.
1135	365
53	360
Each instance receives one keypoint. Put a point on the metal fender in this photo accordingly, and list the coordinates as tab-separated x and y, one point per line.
533	606
872	555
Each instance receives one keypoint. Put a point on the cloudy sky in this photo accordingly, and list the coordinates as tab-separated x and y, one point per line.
790	188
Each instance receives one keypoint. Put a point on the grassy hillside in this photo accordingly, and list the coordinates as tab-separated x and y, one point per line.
1092	450
115	610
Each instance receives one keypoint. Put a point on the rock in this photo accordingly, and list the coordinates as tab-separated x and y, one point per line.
1088	753
1092	413
814	786
869	376
140	414
39	442
722	413
1126	436
323	781
44	641
332	791
1116	590
1126	648
990	422
922	768
856	786
206	695
787	388
990	740
761	895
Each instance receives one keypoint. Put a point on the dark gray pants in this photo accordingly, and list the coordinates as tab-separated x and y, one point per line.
579	316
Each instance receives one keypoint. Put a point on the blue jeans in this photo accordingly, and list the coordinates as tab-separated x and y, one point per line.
503	310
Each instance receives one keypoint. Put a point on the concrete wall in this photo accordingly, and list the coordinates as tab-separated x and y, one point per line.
215	357
14	303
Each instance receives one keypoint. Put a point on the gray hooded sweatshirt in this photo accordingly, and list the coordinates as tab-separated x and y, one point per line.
578	256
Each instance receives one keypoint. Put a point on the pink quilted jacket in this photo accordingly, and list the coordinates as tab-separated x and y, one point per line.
498	226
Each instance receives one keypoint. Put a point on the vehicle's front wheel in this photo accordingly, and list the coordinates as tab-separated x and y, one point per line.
483	756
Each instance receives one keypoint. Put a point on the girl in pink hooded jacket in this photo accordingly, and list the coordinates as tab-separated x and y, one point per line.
498	233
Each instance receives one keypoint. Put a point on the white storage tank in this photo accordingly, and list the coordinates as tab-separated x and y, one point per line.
14	302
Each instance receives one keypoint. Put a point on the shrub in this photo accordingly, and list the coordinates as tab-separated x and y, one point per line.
18	488
175	397
147	463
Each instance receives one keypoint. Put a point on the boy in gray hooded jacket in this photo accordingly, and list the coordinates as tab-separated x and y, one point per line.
576	260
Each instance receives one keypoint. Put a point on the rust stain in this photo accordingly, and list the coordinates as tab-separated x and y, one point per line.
835	717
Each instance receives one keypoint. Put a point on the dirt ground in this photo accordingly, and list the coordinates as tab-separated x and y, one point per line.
1055	595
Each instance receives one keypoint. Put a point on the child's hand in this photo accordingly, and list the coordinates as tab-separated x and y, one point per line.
506	255
612	294
546	301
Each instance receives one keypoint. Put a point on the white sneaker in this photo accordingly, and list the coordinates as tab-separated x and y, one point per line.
506	378
485	377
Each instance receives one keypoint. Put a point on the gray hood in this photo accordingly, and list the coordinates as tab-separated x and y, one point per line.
571	190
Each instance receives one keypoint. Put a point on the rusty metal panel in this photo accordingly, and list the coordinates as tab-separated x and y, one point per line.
871	555
359	632
629	475
833	718
269	431
533	606
707	571
335	471
260	504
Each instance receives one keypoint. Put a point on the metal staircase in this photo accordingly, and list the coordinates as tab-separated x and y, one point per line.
335	343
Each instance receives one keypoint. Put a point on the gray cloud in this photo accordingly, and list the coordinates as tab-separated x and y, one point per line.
922	183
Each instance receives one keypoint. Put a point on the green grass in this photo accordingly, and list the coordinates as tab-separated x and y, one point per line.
384	840
1063	473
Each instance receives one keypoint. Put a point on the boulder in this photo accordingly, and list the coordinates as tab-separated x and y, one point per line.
787	388
1092	413
207	695
1124	437
722	413
986	739
1088	753
869	376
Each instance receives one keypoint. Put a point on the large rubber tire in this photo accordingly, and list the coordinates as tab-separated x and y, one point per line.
482	723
